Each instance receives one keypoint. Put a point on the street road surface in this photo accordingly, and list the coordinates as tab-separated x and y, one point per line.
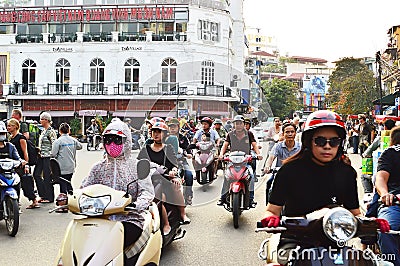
210	238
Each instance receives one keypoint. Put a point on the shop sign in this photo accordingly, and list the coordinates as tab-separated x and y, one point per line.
87	14
62	49
131	48
92	112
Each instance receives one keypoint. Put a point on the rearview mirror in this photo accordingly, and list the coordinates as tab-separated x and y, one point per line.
143	168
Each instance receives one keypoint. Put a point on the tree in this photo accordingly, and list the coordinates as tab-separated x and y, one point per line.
352	87
281	96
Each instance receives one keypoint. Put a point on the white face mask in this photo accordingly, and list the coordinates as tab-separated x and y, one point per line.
3	137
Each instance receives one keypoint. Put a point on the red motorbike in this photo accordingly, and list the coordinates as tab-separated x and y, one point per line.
238	176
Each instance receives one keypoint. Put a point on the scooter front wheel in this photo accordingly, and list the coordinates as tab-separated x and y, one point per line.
12	218
236	199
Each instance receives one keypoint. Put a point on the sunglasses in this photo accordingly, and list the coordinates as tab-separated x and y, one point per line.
333	142
108	139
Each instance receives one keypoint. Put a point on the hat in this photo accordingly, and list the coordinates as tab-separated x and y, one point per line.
173	121
45	115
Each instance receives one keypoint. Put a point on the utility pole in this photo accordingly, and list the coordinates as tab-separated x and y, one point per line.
378	79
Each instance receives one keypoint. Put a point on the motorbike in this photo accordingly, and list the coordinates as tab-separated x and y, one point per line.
94	141
9	209
137	140
94	239
204	162
322	238
173	213
238	176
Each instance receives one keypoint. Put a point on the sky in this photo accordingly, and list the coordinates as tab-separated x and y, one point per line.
327	29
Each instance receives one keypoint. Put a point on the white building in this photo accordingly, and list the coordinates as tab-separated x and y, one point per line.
123	57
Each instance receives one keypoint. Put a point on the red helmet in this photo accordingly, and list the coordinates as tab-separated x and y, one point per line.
155	120
160	125
323	118
207	120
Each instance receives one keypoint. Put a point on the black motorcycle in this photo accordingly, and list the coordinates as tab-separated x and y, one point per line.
94	141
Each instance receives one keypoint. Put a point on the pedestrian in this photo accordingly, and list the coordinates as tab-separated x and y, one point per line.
64	151
20	143
366	134
355	136
24	128
41	174
274	133
387	184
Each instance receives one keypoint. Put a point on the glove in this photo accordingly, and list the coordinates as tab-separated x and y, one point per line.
383	225
270	221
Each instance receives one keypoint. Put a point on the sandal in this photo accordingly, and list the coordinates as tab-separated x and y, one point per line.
33	206
44	201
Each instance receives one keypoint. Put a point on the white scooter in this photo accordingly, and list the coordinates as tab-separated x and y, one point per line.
96	240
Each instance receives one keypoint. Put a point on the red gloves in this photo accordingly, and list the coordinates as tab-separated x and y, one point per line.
383	225
270	221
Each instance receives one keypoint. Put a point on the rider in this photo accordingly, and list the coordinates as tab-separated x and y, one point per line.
173	126
118	170
164	155
240	139
92	130
206	123
315	177
219	128
388	186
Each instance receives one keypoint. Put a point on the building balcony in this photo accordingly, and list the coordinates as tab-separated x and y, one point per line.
120	89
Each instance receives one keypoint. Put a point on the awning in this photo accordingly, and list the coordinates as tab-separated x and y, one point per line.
214	113
52	113
388	99
130	114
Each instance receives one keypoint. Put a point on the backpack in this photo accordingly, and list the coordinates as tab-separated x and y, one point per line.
32	153
34	133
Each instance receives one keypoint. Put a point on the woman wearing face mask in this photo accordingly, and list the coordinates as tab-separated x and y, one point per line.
315	177
162	154
118	170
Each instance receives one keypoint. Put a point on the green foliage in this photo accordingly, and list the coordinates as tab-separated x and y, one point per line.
281	96
352	87
75	125
272	68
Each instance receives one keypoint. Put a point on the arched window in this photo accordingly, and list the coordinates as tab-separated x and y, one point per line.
131	67
168	75
62	71
97	71
28	74
207	72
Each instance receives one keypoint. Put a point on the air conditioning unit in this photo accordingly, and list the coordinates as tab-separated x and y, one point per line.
182	105
17	103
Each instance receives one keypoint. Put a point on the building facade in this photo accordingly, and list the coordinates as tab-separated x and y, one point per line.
79	58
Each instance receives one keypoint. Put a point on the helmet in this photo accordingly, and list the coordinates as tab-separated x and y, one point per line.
247	121
218	121
62	199
127	119
115	128
173	121
156	119
238	118
323	118
160	125
168	119
93	120
207	120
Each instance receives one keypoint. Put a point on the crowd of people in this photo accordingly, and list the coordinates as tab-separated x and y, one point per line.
314	169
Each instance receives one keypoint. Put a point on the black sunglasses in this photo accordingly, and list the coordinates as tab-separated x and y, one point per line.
108	139
333	142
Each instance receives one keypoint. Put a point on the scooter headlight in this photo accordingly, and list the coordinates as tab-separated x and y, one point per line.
6	165
93	206
237	159
339	225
